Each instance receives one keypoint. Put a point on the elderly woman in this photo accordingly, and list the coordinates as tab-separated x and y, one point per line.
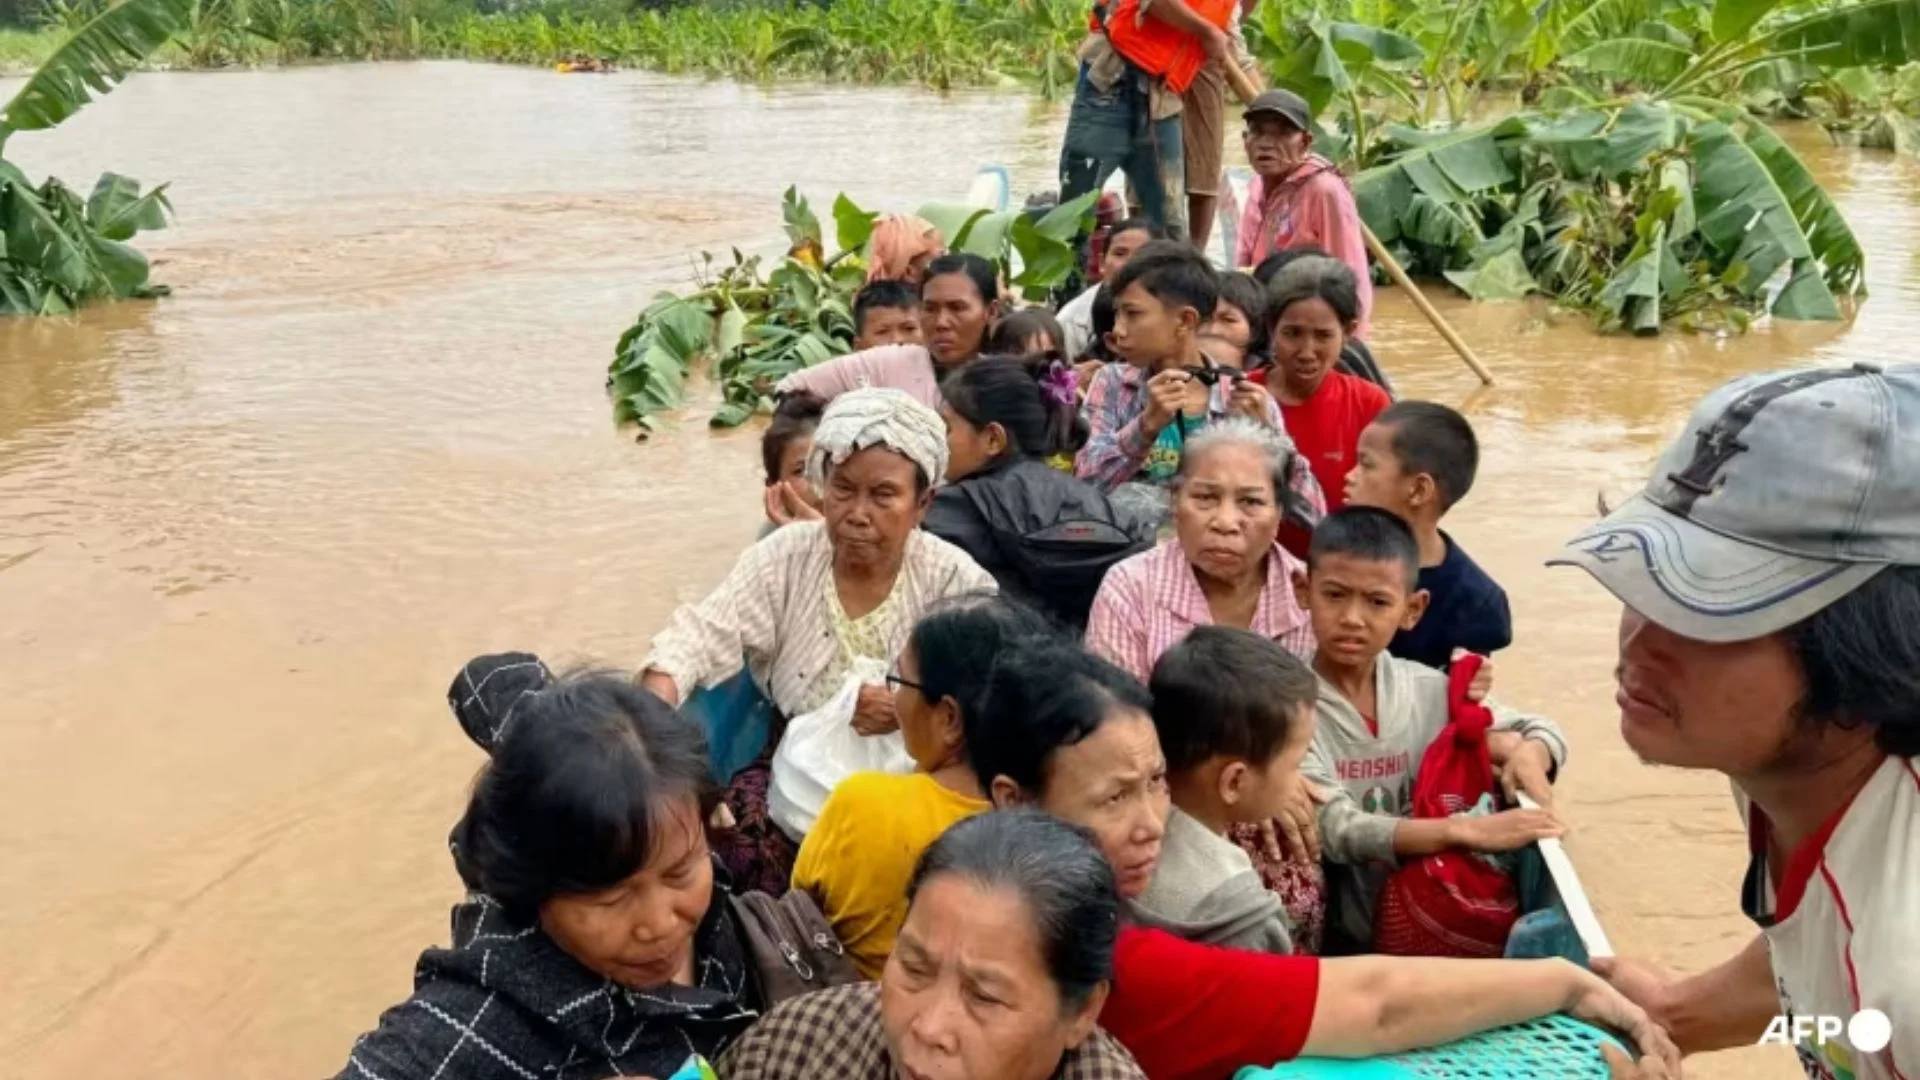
808	600
1224	568
1001	971
959	301
1070	734
594	939
859	855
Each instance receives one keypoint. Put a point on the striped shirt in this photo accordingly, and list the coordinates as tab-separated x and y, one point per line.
1151	601
775	610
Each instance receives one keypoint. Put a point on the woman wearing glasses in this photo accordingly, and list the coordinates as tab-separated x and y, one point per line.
858	858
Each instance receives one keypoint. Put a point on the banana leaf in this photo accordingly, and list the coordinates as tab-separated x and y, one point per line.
93	61
1502	277
1044	261
852	226
1733	18
117	210
955	222
36	239
1754	194
1636	60
1877	33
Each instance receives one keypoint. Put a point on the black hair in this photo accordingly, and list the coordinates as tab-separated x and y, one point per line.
796	415
1366	532
1226	692
1007	390
1316	277
1280	260
1010	334
1431	438
986	280
578	790
1250	296
1861	659
1140	223
960	641
880	295
1059	872
1173	272
1041	698
1100	324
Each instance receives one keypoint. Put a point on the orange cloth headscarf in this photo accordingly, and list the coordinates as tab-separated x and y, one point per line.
899	240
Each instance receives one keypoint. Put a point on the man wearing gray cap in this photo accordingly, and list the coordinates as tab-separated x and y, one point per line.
1770	572
1298	198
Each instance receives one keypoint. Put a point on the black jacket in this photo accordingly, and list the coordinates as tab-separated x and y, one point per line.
1047	538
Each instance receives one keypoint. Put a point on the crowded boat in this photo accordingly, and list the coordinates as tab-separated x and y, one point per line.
1105	697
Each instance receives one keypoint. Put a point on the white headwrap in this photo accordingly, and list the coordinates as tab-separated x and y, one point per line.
879	416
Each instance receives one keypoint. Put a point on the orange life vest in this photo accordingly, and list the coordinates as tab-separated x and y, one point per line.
1153	46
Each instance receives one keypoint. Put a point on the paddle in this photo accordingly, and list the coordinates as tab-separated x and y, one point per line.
1243	86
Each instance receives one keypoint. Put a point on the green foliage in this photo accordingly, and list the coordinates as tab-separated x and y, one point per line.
757	325
58	251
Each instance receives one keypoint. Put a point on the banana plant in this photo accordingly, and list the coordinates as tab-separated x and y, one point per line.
57	250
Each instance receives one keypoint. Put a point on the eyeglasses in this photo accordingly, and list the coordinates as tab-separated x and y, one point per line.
895	682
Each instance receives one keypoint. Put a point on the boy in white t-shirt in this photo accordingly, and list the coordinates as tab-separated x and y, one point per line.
1770	573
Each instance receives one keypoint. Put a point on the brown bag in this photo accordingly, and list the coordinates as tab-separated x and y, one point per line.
792	948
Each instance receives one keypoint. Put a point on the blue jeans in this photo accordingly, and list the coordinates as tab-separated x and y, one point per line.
1116	130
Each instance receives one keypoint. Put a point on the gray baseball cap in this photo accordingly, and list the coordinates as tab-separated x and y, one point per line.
1786	491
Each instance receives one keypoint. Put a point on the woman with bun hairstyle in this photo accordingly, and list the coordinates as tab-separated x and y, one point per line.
1046	537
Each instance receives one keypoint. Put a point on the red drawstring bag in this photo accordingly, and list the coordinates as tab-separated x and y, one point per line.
1454	903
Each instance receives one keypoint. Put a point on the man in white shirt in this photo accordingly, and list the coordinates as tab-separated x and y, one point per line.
1770	573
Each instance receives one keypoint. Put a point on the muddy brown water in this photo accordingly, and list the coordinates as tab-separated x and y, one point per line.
248	534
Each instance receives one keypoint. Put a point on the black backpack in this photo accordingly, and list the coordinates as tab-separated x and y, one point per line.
1056	536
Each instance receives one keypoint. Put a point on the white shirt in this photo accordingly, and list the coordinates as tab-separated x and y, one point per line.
1076	321
1844	924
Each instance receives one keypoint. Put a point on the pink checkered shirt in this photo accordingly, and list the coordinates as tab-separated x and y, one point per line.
1152	600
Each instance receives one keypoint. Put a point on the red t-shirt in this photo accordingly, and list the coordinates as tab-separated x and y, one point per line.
1202	1012
1327	428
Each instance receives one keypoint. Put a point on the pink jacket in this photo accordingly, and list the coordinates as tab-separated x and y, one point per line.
1312	207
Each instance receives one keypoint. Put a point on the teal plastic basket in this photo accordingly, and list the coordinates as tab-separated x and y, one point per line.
1555	1048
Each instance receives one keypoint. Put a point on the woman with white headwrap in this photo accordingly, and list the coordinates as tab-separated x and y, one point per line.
804	602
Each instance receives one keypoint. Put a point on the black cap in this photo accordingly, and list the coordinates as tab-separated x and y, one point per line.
1284	104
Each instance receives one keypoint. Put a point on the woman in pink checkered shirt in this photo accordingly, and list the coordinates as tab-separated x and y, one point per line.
1224	567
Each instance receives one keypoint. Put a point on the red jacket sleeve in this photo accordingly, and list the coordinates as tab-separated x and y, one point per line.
1200	1012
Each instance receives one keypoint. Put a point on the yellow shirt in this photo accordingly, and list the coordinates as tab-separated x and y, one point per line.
858	857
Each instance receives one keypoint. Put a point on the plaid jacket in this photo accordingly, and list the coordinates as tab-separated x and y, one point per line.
836	1035
505	1003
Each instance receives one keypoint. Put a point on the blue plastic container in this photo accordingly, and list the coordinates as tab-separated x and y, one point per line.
737	718
1555	1048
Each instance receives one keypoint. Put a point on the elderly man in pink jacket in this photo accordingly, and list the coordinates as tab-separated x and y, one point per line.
1298	198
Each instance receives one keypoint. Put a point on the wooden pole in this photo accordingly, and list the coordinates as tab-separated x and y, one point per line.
1244	88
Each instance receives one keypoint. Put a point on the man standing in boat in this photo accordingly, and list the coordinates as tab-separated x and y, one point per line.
1139	58
1298	198
1770	573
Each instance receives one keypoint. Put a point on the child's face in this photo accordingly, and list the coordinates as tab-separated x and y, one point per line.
1231	323
1120	249
1357	605
1377	478
793	458
1147	332
1266	789
889	326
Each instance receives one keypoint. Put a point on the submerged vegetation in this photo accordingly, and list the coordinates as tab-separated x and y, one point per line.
757	325
1639	179
57	250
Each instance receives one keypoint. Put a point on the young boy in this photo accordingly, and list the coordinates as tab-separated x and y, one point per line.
886	313
1076	315
1140	412
1417	459
1235	715
1378	714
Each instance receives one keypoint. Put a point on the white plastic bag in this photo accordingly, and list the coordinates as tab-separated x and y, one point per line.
821	748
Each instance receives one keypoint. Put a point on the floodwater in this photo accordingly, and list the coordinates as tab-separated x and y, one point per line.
248	534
